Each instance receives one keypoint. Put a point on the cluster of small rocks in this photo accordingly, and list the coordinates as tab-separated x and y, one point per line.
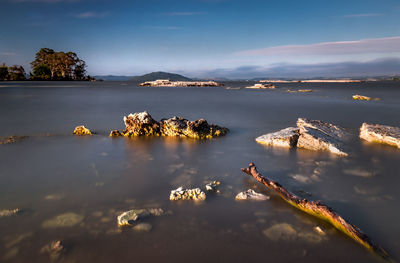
187	194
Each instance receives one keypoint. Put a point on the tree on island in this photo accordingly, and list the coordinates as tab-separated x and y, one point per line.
51	65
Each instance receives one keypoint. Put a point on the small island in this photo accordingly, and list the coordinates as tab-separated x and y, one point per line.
168	83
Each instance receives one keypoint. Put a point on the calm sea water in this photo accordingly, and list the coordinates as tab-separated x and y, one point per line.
96	177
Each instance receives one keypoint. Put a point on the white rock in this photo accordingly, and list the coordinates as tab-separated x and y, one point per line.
251	195
381	134
284	138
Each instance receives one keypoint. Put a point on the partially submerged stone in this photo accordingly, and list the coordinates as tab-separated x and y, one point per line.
326	128
82	130
54	249
284	138
381	134
361	97
212	186
115	133
9	212
251	195
187	194
129	218
63	220
305	90
261	86
11	139
198	129
141	124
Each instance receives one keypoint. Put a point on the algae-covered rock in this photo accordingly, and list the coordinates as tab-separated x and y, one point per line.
55	249
63	220
284	138
381	134
9	212
141	124
251	195
187	194
129	218
198	129
82	130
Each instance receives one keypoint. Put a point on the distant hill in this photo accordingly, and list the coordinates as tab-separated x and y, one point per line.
160	75
113	78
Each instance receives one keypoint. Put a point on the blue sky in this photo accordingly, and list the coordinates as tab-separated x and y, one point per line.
208	38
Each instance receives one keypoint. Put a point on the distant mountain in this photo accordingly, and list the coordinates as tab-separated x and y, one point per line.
160	75
113	78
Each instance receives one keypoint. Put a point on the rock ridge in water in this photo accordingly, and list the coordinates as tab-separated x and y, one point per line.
313	135
143	124
381	134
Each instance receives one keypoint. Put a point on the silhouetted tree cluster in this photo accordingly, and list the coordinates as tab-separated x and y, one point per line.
51	65
12	73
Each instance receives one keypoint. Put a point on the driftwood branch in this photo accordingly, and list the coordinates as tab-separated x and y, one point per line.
319	210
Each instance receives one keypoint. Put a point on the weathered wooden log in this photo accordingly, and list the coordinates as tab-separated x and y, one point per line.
316	208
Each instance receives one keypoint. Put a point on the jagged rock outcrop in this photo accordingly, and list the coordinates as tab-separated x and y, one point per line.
381	134
251	195
187	194
199	129
142	124
310	134
129	218
284	138
82	130
212	186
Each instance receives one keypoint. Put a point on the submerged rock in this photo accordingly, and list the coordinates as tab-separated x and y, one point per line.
284	138
251	195
212	186
82	130
54	249
198	129
282	231
9	212
115	133
381	134
187	194
63	220
11	139
129	218
142	227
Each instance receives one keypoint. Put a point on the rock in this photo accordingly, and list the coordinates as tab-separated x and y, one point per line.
381	134
128	218
360	97
212	186
168	83
11	139
141	124
282	231
251	195
284	138
142	227
317	135
319	230
199	129
9	212
63	220
187	194
304	90
261	86
115	133
82	130
54	249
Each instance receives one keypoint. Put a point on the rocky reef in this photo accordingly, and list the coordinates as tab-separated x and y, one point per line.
168	83
129	218
310	134
251	195
143	124
187	194
381	134
82	130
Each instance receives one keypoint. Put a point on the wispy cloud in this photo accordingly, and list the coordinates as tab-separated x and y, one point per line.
363	46
363	15
44	1
90	14
183	13
164	27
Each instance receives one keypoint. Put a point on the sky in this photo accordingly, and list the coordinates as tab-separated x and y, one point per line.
209	38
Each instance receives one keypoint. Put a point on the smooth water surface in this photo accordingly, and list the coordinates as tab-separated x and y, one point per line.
96	177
